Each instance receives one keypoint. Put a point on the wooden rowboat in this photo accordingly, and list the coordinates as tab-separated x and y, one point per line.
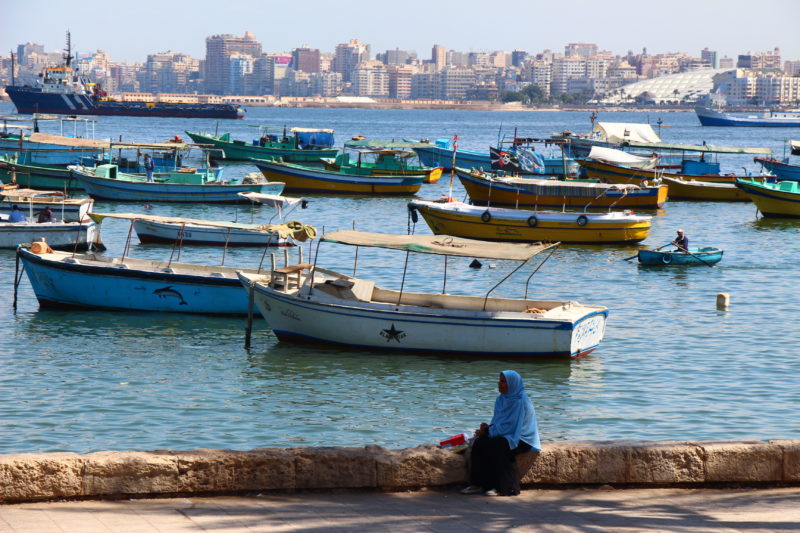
696	256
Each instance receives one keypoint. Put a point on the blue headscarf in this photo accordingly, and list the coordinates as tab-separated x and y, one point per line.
514	417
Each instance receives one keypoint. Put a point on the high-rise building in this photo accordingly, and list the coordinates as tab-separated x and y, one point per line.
584	50
305	60
219	49
518	58
439	56
397	57
761	60
169	72
270	69
400	81
371	79
710	56
348	56
24	50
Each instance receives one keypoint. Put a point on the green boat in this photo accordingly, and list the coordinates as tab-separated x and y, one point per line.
40	176
382	162
294	145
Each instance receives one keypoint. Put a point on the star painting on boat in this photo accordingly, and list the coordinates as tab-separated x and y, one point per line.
392	334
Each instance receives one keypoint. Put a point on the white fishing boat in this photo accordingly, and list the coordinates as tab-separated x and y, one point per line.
168	230
65	208
306	303
81	235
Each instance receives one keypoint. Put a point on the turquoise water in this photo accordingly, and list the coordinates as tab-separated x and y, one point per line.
671	366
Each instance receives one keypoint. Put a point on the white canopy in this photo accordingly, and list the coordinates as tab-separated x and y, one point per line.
618	157
439	244
617	132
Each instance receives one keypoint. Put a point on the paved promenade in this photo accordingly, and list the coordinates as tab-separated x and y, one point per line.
593	510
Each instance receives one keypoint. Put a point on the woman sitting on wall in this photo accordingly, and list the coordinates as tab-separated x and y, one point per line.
512	431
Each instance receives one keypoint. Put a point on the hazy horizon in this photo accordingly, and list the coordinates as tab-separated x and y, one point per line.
128	32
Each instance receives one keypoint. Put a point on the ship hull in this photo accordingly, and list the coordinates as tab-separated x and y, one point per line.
30	100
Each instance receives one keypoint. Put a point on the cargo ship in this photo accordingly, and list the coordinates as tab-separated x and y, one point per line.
61	90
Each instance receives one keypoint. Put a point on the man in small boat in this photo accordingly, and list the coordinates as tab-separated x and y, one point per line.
16	215
681	241
149	167
46	215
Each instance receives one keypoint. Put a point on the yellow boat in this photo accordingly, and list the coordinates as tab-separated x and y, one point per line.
608	173
485	188
780	199
683	189
305	179
498	224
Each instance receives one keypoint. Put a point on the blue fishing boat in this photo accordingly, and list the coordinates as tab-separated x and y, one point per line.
65	279
783	170
770	119
184	185
440	154
697	256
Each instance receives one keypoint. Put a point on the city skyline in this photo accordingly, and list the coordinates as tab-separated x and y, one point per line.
153	27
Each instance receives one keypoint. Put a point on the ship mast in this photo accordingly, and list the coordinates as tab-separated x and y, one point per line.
68	51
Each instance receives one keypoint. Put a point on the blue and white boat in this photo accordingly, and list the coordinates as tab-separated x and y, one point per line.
107	183
63	279
770	119
696	256
783	170
440	154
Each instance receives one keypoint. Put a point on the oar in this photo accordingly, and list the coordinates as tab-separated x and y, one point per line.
637	254
696	257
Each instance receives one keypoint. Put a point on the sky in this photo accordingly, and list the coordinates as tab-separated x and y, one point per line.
129	31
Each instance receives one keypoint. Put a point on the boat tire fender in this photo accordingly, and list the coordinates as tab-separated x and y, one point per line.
666	259
582	220
532	221
486	216
412	211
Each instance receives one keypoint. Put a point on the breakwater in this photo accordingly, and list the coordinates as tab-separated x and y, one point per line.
100	475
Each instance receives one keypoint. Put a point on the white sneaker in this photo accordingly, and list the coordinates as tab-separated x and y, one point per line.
491	492
472	489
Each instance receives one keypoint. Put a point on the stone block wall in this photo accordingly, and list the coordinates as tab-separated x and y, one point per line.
31	477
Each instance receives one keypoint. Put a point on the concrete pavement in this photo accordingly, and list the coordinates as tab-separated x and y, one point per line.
445	510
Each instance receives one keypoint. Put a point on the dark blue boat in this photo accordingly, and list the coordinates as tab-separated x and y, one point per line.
61	90
773	119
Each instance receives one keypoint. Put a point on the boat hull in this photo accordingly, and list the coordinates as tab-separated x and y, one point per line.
30	100
784	171
779	200
609	173
150	232
58	235
534	194
300	320
709	117
530	226
39	177
698	256
705	191
143	191
65	281
304	179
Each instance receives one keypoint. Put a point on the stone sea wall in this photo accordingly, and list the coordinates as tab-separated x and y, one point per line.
48	476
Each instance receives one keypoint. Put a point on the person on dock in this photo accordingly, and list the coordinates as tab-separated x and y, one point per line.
149	167
16	215
46	215
681	241
512	431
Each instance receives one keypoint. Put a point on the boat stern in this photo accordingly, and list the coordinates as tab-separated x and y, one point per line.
588	332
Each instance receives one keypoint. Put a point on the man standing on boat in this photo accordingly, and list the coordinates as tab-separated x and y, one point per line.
681	241
149	167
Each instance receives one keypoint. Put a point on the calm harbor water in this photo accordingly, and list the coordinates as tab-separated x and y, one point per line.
671	366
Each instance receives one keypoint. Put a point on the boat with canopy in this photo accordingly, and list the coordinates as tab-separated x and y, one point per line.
307	303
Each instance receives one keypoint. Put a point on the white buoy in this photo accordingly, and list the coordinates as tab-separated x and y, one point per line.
723	300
